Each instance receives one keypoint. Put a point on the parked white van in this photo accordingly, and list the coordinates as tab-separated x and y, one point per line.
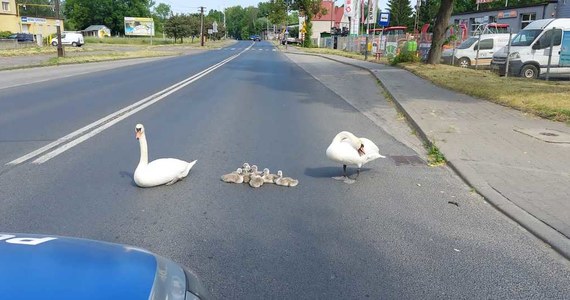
530	49
69	38
465	54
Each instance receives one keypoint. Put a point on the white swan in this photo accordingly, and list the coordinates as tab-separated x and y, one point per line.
348	149
161	171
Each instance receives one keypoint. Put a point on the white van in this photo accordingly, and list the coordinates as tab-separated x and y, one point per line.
465	54
69	38
530	49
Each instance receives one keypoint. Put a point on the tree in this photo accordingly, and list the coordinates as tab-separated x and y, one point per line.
160	13
278	11
178	27
400	13
309	9
440	27
427	12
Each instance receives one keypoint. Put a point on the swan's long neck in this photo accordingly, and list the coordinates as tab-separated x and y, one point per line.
144	150
345	135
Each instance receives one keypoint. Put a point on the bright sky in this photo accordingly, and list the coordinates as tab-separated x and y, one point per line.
192	6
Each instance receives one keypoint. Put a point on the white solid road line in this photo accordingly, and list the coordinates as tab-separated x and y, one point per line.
98	126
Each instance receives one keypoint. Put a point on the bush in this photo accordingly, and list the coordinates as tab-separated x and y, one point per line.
5	34
405	57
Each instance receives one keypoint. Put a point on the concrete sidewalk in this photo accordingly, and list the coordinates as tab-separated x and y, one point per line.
519	163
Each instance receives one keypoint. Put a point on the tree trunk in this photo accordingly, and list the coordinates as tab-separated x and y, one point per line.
439	29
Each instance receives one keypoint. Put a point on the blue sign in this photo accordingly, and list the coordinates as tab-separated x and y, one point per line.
565	50
384	19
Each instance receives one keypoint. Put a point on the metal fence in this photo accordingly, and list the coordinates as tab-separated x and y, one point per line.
391	45
378	45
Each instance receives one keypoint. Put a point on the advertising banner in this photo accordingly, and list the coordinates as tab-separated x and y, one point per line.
139	26
372	11
349	8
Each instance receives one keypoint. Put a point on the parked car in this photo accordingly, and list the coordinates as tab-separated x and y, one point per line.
69	38
54	267
530	50
22	37
465	54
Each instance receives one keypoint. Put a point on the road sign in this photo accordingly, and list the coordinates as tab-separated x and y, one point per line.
384	19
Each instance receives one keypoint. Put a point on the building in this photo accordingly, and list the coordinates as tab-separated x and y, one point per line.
22	18
333	18
99	31
517	17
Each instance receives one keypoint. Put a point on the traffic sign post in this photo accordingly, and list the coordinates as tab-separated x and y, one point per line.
384	19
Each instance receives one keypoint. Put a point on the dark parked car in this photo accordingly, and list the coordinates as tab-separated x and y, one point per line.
53	267
22	37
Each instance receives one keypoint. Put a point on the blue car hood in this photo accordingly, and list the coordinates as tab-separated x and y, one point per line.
52	267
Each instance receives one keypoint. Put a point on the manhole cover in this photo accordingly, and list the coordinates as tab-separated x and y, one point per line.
412	160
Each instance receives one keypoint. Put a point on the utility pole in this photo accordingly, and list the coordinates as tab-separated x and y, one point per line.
58	30
225	29
202	25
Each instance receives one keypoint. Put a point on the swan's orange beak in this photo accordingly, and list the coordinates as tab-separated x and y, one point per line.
138	134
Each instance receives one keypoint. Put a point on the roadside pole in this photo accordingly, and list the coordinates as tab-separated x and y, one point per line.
508	53
550	53
366	49
58	28
202	26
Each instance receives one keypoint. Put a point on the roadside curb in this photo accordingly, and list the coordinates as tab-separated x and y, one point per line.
537	227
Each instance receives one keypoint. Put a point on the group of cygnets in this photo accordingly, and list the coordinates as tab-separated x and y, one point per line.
250	175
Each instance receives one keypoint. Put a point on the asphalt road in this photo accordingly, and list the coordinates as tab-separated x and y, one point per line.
391	235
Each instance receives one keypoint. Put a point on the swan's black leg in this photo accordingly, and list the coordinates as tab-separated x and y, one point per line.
344	176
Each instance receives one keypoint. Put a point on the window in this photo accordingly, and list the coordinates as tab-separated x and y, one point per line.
525	37
486	44
527	19
467	43
544	41
5	6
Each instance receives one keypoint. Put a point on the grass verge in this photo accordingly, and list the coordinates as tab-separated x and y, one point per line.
36	51
103	57
547	99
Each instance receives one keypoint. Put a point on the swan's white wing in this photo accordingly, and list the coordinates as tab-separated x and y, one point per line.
161	171
344	153
371	150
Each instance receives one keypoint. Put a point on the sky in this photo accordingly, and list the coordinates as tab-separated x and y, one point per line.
192	6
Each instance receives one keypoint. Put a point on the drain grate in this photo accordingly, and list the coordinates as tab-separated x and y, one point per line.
549	134
410	160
